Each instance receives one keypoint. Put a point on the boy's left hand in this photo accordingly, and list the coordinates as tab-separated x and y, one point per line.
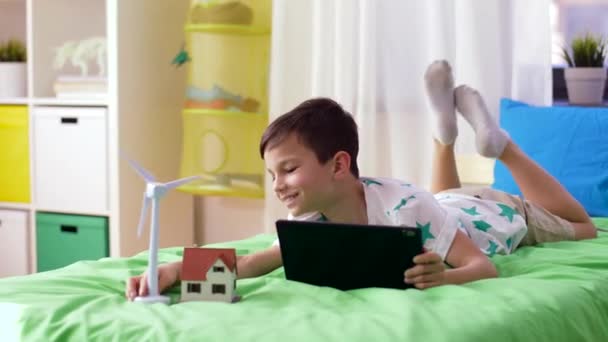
428	272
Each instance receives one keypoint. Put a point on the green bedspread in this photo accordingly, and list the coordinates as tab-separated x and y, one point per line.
552	292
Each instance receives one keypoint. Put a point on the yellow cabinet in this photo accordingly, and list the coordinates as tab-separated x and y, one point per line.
14	154
226	108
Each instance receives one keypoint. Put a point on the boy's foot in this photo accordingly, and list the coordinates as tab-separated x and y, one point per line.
440	89
489	137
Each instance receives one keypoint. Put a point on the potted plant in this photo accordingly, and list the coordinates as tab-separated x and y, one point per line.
586	75
12	69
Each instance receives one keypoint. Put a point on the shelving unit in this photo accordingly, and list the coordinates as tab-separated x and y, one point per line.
227	102
75	145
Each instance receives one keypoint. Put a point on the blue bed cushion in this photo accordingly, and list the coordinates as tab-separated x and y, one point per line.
571	143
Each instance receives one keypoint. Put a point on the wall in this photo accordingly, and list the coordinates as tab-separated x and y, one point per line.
14	27
219	219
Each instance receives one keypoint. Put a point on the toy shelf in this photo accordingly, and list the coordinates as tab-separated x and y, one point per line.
14	101
222	148
226	106
242	30
215	189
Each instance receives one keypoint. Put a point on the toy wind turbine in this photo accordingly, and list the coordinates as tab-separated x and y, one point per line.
153	193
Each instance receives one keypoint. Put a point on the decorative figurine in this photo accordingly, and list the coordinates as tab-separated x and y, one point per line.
80	52
181	57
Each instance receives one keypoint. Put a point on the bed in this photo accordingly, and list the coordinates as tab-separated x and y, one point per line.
551	292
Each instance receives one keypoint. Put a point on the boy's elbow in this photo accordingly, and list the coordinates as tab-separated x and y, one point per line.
491	270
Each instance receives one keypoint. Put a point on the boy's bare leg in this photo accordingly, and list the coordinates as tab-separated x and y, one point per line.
439	84
536	184
444	173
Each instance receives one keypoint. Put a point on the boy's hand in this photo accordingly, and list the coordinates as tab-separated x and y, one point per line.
168	274
428	272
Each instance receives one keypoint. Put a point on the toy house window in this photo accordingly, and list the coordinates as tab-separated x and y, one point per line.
194	288
218	288
218	269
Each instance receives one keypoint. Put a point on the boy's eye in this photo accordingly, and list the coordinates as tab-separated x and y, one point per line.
290	170
271	175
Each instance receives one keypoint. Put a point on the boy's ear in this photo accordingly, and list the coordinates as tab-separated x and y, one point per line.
341	164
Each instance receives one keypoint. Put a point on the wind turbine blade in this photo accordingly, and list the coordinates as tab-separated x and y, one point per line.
142	216
176	183
142	172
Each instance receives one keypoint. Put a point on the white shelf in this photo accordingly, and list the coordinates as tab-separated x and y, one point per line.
147	104
13	205
14	101
54	101
29	206
73	212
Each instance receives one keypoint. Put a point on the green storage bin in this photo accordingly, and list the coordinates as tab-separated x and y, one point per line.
63	239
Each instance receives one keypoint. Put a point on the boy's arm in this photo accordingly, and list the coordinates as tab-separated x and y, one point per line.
260	263
468	263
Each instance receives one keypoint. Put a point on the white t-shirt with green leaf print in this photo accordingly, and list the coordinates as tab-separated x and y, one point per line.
494	227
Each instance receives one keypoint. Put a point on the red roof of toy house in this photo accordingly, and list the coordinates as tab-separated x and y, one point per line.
197	261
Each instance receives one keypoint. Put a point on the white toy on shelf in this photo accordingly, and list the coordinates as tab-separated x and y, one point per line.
79	53
153	193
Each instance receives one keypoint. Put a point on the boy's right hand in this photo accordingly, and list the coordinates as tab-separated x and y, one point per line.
168	274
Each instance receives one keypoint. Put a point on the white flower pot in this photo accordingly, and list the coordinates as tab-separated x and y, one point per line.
585	85
12	79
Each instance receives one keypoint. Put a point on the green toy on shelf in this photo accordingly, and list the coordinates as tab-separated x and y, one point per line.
181	57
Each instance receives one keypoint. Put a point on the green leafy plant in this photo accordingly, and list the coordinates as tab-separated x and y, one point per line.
12	51
587	51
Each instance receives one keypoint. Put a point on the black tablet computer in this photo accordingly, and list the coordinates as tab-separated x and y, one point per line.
347	256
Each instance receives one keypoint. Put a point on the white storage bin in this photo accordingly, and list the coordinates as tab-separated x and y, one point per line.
70	159
13	243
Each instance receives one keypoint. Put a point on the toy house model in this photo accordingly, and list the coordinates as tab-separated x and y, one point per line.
209	274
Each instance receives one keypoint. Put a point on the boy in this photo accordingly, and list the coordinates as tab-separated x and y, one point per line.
311	155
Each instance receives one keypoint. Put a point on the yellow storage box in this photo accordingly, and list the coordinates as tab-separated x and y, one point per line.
14	154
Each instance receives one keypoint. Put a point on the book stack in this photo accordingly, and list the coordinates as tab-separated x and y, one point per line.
71	87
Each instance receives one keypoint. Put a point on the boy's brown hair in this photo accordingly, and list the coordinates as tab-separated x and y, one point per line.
322	125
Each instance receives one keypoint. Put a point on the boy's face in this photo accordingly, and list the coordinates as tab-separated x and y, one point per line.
300	182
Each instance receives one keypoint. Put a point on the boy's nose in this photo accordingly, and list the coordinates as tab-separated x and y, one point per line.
278	185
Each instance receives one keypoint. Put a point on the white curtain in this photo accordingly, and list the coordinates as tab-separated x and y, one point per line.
370	56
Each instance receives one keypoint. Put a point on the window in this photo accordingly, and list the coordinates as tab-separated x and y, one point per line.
218	288
568	19
194	288
218	269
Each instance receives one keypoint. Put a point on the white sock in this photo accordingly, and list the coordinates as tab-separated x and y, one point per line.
490	139
440	89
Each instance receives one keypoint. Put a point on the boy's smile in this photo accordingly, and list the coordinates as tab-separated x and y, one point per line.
300	181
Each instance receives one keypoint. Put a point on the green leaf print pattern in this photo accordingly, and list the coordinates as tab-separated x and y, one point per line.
509	243
369	182
471	211
403	202
426	231
507	211
492	249
482	225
